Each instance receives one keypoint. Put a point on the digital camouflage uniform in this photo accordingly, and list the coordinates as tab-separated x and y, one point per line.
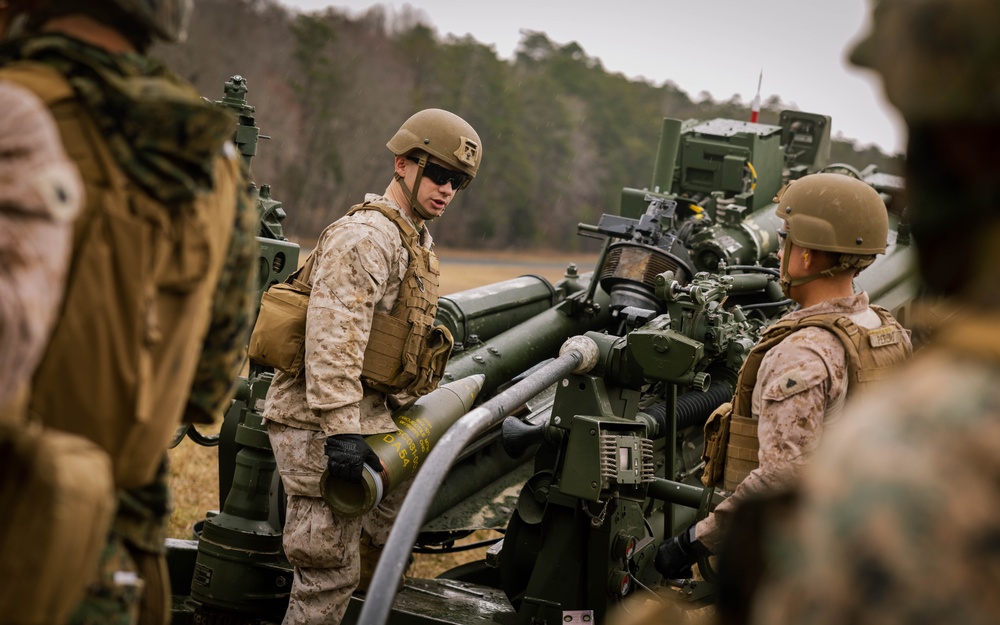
360	263
40	196
170	151
801	388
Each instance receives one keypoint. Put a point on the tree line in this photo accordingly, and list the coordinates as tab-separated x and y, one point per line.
561	135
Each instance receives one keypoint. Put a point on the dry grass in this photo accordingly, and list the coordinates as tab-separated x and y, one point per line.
194	478
465	269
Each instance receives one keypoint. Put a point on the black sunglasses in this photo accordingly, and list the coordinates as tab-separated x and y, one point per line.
442	175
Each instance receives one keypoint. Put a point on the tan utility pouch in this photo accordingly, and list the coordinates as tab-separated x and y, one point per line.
716	441
278	339
58	498
434	359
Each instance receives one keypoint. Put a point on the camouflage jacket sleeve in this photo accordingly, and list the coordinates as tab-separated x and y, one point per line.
223	352
349	280
798	380
40	196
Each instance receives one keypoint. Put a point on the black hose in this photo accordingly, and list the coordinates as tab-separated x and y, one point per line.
753	268
693	407
205	440
784	302
456	549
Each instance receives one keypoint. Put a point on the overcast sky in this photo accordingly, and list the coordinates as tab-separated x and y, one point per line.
718	46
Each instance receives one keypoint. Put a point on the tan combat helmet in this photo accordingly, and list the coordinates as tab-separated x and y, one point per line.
441	134
833	213
939	59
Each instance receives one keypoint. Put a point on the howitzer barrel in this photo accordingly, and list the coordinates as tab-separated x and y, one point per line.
486	311
518	349
421	426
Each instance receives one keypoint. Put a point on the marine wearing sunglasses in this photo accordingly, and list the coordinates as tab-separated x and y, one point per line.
442	175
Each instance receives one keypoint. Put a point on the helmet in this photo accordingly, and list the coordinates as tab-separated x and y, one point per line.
939	59
443	135
167	19
834	213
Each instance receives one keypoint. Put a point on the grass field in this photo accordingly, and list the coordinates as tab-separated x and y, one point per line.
194	469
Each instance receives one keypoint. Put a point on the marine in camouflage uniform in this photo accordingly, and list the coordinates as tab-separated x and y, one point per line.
157	338
40	196
800	392
40	471
317	419
898	518
833	227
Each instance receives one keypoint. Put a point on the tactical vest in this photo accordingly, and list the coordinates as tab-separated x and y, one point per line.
122	356
406	351
731	443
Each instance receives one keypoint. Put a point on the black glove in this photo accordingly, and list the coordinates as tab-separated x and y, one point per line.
675	556
348	454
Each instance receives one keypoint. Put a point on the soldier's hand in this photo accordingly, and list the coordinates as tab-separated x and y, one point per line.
676	555
347	455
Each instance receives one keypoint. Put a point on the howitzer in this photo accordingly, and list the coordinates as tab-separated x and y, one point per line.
583	446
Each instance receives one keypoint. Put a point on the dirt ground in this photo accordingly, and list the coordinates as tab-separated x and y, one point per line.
194	477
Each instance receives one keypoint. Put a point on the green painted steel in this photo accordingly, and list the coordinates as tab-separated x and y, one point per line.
591	472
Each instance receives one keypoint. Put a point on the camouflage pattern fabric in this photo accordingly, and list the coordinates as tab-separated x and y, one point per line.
360	264
800	390
167	144
40	195
223	351
165	141
898	521
115	598
132	586
173	145
324	549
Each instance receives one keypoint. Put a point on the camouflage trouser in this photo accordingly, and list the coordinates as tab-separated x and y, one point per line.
133	586
323	548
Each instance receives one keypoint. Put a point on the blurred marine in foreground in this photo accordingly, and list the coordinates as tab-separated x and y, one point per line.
156	304
899	516
40	197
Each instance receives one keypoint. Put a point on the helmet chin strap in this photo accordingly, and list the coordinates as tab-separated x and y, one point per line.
412	193
787	282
